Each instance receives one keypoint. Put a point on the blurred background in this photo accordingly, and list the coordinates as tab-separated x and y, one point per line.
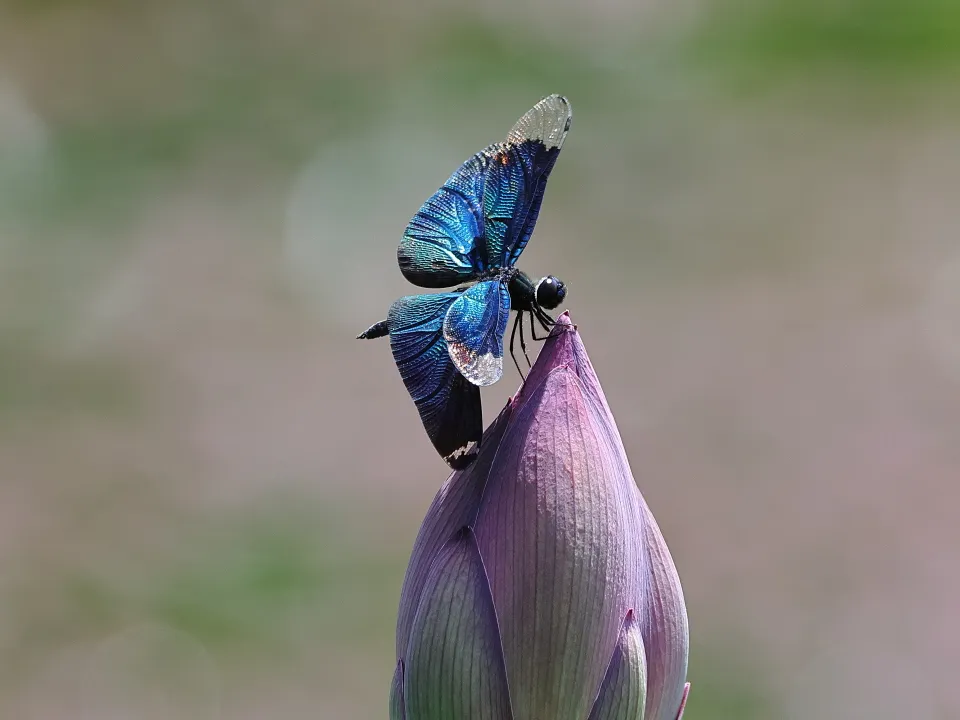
209	489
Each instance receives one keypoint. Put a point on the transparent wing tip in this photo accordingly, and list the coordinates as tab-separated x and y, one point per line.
549	121
481	370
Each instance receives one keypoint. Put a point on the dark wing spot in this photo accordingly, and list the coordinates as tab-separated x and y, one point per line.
463	456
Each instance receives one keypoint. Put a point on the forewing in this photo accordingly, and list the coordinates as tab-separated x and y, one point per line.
449	406
474	328
439	246
516	178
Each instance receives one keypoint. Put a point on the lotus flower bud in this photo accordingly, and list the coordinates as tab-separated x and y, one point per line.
540	587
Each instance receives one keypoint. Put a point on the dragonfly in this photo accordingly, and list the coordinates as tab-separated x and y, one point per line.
470	233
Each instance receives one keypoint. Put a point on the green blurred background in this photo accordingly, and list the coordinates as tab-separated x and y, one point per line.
209	490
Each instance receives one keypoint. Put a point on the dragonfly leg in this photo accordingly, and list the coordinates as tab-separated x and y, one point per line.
546	322
523	343
533	328
513	336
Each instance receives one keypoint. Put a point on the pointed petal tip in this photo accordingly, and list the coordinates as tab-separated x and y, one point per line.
398	709
563	323
561	348
683	701
564	348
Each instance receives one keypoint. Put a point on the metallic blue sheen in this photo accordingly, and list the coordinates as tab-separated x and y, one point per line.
449	406
439	246
473	229
513	193
483	216
474	328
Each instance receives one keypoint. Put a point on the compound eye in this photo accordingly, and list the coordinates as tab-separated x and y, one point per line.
550	292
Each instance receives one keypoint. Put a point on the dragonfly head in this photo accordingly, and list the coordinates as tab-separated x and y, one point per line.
550	292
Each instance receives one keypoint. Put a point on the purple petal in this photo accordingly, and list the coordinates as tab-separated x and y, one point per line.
554	533
663	622
397	709
564	348
454	663
657	595
564	546
659	598
455	506
624	687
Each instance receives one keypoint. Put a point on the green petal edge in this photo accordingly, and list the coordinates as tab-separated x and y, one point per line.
454	663
397	711
623	691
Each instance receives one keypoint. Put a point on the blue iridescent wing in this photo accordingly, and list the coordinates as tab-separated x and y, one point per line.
516	178
449	406
439	247
474	328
